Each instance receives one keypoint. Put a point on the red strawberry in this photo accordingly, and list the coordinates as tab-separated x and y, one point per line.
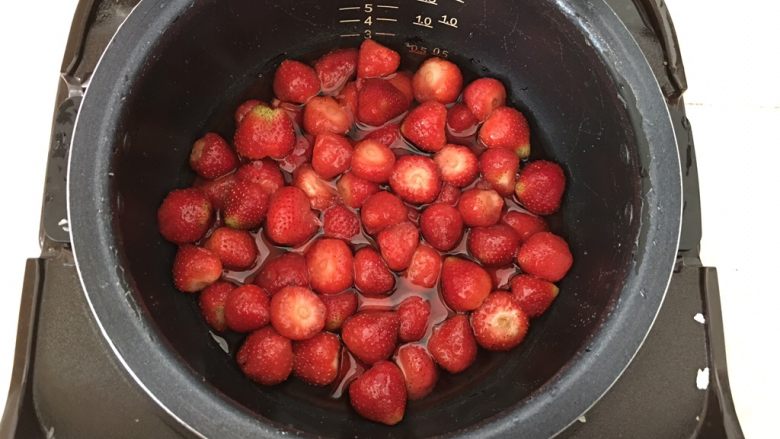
413	313
371	336
321	194
387	135
212	157
449	194
382	210
216	190
524	224
372	277
500	323
437	80
245	108
297	313
235	248
184	216
452	344
195	268
335	68
441	226
425	126
245	205
330	266
339	308
493	246
354	190
416	179
403	82
295	82
420	373
540	187
373	161
332	155
546	256
212	304
379	102
464	284
266	357
460	120
483	96
459	166
507	128
324	115
285	270
425	267
300	154
265	132
348	99
316	360
265	172
480	207
533	294
499	167
379	394
290	220
376	60
340	222
247	308
398	243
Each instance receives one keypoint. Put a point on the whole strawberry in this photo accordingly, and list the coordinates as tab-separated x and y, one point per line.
330	266
295	82
354	190
387	135
316	360
265	172
245	205
324	115
216	190
247	308
464	284
461	121
266	357
236	248
413	313
524	224
382	210
195	268
507	128
379	394
398	243
338	308
321	194
441	226
335	68
426	126
265	132
499	168
375	60
499	324
371	336
285	270
540	187
290	220
297	313
332	155
184	216
212	304
533	294
480	207
458	165
373	161
425	267
437	80
452	344
419	370
379	101
483	96
493	246
545	255
372	277
416	179
340	222
212	157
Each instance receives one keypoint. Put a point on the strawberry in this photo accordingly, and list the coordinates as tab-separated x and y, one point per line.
379	394
398	243
338	309
293	111
425	267
330	266
483	96
425	126
376	60
379	102
387	135
285	270
416	179
441	226
354	190
265	132
184	216
540	187
500	323
195	268
371	336
295	82
245	205
264	172
290	220
321	194
437	80
413	313
324	115
247	308
499	167
546	256
403	82
458	165
373	161
300	154
316	360
493	246
533	294
340	222
372	277
524	224
235	248
348	99
212	157
297	313
452	344
507	128
449	195
216	190
464	284
382	210
461	121
332	155
266	357
212	304
335	68
245	108
480	207
420	373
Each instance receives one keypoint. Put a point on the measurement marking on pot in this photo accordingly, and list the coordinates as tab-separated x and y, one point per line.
387	6
449	21
349	8
385	34
429	2
386	19
423	21
349	21
349	35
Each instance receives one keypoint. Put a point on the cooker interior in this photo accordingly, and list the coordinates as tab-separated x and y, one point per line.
219	53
